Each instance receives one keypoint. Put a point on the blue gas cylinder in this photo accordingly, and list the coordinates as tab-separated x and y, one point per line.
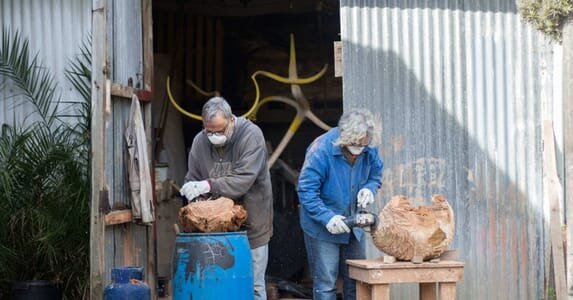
212	266
127	284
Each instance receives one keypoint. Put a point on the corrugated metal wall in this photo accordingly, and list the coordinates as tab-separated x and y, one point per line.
126	244
56	30
459	86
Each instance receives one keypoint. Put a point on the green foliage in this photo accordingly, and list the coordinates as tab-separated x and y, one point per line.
45	178
546	15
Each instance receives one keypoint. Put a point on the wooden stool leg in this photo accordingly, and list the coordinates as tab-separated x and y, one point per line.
381	291
447	290
428	291
362	291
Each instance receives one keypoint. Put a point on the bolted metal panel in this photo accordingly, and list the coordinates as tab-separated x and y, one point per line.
128	244
461	88
125	47
56	30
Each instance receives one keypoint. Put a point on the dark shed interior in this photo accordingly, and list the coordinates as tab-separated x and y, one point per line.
218	45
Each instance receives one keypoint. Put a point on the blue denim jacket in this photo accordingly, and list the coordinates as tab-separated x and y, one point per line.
328	185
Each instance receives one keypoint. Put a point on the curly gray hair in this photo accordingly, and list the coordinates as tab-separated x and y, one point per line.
356	124
214	106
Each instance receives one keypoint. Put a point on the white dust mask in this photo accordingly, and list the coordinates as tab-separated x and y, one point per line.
355	150
217	140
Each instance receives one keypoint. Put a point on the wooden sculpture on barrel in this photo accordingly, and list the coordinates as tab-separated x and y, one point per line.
219	215
414	233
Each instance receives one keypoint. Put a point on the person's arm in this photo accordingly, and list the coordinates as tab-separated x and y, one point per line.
193	173
375	176
245	170
310	181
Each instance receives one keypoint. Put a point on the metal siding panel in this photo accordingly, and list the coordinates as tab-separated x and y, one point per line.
56	30
125	51
126	42
459	86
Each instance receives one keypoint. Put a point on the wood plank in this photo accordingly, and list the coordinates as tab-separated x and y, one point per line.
428	291
447	274
381	291
379	264
128	248
118	217
568	139
238	9
148	77
147	31
551	189
447	291
100	71
126	92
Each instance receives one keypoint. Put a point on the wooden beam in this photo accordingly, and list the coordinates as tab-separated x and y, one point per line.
127	92
238	9
118	217
147	31
147	23
551	189
100	71
568	142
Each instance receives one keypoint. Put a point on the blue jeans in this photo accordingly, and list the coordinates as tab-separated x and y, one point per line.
328	260
260	258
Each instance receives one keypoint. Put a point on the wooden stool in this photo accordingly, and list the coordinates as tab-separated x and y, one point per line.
373	277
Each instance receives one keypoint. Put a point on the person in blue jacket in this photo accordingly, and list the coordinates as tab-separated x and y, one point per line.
341	174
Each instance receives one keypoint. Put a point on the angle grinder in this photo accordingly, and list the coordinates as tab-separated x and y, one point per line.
362	219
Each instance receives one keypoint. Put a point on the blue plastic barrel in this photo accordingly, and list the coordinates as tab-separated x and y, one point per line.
127	284
212	266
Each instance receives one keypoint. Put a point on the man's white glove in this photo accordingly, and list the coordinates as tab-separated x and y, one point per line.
365	197
336	225
193	189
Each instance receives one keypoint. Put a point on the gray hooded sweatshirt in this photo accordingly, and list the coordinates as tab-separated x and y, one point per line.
238	171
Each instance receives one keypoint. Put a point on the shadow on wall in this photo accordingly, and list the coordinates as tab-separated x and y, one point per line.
495	195
471	5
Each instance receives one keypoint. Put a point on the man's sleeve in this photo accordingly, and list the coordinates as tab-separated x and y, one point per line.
252	159
310	182
375	176
193	173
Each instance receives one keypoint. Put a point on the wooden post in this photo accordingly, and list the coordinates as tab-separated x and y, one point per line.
551	188
428	291
362	291
100	71
381	292
147	39
447	290
568	143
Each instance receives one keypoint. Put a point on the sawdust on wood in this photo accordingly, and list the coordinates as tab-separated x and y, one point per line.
220	215
405	231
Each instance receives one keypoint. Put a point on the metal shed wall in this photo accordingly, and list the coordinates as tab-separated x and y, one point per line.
125	244
462	88
56	30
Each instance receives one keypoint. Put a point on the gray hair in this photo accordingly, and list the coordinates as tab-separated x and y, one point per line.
356	124
214	106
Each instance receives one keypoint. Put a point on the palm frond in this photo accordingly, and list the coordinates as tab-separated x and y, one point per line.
33	80
45	181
